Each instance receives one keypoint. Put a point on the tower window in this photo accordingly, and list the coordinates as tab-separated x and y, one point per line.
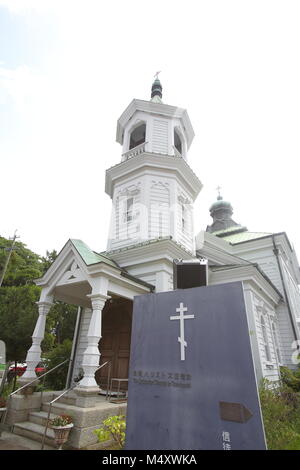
177	142
183	217
129	209
137	136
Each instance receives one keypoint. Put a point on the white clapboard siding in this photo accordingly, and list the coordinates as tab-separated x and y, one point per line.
160	137
126	231
286	336
293	292
268	263
185	235
159	216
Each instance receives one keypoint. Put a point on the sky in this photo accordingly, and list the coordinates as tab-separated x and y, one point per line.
68	69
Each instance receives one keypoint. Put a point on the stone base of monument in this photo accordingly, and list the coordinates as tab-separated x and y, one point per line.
28	415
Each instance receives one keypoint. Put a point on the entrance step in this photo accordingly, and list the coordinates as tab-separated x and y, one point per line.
68	399
58	408
35	432
40	417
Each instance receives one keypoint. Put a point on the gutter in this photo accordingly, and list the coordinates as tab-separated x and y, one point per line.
151	287
276	253
255	265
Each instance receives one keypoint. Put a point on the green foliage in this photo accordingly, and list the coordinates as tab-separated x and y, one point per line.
48	260
57	379
61	323
7	390
291	378
281	416
24	265
18	297
113	427
18	314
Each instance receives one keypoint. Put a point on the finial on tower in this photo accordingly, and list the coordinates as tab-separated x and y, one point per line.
218	188
156	89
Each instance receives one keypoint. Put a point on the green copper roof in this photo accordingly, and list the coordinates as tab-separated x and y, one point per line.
243	236
89	256
230	230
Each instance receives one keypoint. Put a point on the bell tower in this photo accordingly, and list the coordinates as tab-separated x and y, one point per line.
153	188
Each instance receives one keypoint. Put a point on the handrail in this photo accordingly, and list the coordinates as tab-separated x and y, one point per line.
27	385
59	396
38	378
49	412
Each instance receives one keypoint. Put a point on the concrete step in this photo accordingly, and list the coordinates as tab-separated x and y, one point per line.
68	399
40	417
58	408
35	432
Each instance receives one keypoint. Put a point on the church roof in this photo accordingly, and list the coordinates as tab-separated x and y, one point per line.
91	257
241	237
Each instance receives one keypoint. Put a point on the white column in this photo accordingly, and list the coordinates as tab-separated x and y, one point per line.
91	356
34	353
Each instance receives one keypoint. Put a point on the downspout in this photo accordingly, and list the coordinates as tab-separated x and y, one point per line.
276	253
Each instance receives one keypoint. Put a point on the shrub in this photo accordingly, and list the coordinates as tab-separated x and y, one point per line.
280	409
56	380
290	378
2	402
113	427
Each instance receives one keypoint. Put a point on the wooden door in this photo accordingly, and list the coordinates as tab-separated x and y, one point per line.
114	345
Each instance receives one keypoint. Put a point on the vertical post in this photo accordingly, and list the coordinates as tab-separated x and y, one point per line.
91	356
74	348
34	353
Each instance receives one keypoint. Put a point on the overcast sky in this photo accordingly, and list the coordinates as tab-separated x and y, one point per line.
68	69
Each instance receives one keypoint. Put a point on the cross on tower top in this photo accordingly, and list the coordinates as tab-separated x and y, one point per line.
218	188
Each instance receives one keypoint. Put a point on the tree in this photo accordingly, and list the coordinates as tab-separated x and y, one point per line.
18	297
48	260
24	265
18	309
18	314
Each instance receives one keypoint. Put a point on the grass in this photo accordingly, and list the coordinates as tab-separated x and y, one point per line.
281	415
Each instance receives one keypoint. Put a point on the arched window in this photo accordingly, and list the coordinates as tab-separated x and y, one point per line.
274	329
137	136
265	338
177	142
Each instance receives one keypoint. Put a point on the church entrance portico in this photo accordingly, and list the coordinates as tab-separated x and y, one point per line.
104	292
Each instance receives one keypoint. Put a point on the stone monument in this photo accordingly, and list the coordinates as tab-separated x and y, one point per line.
192	381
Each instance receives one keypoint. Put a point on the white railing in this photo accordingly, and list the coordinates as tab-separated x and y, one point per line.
134	152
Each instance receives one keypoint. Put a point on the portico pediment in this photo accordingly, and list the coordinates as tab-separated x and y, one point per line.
78	271
67	269
72	274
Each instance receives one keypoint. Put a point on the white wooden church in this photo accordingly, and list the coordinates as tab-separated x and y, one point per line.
153	189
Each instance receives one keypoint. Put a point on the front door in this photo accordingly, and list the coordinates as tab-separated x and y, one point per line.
114	345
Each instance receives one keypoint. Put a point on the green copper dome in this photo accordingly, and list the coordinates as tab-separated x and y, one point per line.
220	204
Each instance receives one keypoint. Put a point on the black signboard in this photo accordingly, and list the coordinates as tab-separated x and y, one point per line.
192	382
